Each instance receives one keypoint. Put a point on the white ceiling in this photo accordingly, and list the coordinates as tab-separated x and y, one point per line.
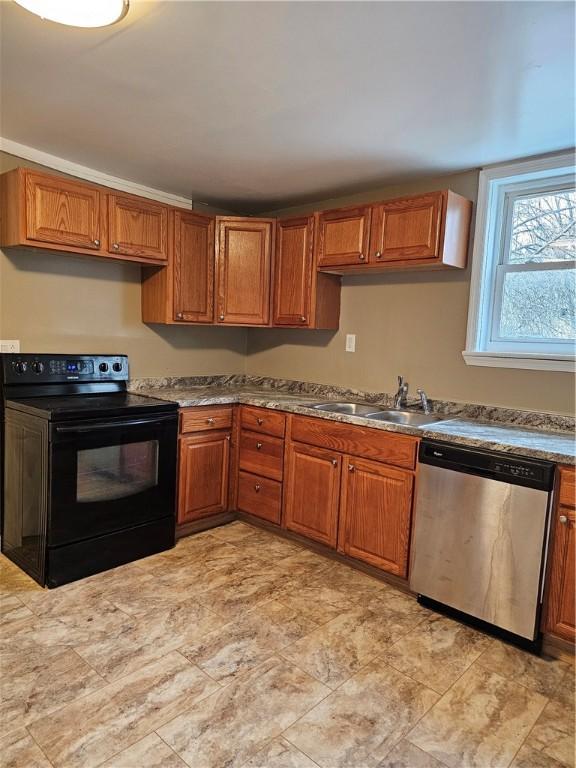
257	105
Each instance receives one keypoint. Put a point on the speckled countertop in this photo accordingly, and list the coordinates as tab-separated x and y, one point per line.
522	433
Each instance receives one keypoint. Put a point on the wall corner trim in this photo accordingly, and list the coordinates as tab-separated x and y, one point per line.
90	174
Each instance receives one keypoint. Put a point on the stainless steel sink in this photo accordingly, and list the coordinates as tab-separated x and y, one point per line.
367	411
407	418
350	409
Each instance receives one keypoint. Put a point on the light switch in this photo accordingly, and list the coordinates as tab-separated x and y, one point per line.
350	342
10	345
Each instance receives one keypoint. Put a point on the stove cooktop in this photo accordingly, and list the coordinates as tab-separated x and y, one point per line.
90	406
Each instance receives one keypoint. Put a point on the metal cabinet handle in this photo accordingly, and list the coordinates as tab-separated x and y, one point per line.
228	438
351	468
221	317
210	420
334	462
257	488
115	246
258	445
302	318
259	421
361	257
563	519
378	254
96	242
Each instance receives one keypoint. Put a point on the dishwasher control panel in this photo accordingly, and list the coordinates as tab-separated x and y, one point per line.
529	472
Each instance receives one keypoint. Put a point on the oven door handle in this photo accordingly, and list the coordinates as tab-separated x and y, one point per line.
86	428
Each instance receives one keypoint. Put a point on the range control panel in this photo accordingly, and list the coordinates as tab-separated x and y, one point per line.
46	368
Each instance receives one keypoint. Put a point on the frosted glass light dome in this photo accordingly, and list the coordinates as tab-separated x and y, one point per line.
78	13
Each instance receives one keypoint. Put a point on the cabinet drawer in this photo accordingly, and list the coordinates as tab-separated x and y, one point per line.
260	496
398	450
263	420
567	487
204	419
261	455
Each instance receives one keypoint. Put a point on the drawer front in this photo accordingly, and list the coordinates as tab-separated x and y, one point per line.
567	486
263	420
398	450
261	455
204	419
260	496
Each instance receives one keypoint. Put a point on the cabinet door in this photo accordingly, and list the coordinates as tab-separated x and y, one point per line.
193	268
293	275
343	236
407	229
62	212
313	493
243	254
137	227
375	514
560	618
203	475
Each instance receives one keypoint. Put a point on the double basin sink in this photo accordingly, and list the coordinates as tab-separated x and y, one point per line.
389	415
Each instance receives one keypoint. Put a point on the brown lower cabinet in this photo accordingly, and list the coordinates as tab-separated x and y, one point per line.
375	514
361	506
559	615
313	492
203	462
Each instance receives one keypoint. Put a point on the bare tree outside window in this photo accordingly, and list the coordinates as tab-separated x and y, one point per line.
540	303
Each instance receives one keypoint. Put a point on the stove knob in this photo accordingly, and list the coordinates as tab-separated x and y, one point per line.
117	367
20	367
103	367
37	366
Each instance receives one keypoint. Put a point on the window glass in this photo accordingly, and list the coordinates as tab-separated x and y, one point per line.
539	304
543	228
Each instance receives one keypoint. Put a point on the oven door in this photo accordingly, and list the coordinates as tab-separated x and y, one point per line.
111	475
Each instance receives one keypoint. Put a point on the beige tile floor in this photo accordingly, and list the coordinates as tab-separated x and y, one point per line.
238	648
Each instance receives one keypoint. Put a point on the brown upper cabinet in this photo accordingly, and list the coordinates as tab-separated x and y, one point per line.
344	236
62	212
244	248
303	297
55	213
429	230
137	227
183	291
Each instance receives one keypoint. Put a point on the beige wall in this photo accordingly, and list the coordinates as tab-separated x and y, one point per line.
409	323
55	303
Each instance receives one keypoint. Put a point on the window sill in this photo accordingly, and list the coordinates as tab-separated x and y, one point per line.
534	362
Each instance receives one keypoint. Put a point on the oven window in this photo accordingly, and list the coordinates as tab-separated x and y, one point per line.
116	471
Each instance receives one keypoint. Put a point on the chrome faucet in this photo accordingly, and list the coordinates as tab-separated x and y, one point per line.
424	401
400	398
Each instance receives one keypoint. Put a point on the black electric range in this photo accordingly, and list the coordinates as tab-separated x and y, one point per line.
99	463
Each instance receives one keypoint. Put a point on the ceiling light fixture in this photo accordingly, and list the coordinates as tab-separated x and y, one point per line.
78	13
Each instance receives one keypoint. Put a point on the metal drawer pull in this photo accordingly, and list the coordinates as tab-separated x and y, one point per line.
258	445
179	315
378	254
351	467
257	488
210	420
361	257
96	242
334	462
563	519
221	317
115	246
259	421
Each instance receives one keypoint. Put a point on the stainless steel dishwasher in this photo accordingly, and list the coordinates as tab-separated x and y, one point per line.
480	530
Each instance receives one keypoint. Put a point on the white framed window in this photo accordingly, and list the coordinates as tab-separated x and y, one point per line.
522	311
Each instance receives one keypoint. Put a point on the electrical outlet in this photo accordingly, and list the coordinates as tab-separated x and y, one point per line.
350	342
7	345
